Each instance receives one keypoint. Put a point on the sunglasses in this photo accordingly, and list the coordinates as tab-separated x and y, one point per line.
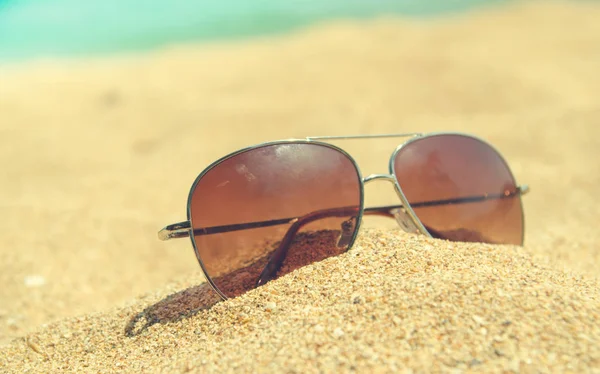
264	211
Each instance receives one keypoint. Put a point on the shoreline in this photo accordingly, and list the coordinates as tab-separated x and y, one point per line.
185	23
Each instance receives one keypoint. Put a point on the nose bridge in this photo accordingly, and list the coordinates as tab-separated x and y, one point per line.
387	177
399	212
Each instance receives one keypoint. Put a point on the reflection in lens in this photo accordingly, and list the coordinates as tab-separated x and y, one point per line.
477	194
265	212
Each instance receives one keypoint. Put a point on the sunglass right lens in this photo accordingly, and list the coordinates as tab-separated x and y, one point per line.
264	212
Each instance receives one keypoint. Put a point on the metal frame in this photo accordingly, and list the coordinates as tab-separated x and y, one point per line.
373	136
183	229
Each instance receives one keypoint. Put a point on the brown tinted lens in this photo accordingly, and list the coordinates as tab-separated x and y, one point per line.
461	189
264	212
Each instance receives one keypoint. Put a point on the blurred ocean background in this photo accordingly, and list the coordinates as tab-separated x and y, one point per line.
46	28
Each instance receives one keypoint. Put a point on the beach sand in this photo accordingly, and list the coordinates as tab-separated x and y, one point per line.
98	155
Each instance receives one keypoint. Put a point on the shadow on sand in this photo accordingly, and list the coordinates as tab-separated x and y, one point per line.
175	307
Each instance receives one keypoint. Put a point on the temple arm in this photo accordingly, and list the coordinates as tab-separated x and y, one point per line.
347	232
182	229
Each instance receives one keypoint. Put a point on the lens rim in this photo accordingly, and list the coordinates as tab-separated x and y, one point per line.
251	148
402	196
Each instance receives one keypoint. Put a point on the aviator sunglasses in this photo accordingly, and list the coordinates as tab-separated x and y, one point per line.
266	210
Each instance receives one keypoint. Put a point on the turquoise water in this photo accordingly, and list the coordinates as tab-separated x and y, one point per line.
40	28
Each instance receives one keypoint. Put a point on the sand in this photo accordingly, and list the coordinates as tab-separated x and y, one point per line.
97	155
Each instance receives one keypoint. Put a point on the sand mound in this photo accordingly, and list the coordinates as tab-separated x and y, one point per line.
100	154
394	301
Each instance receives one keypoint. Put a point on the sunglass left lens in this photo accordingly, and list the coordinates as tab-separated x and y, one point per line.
264	212
461	189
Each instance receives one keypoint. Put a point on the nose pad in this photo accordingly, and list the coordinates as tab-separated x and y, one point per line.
347	232
404	220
